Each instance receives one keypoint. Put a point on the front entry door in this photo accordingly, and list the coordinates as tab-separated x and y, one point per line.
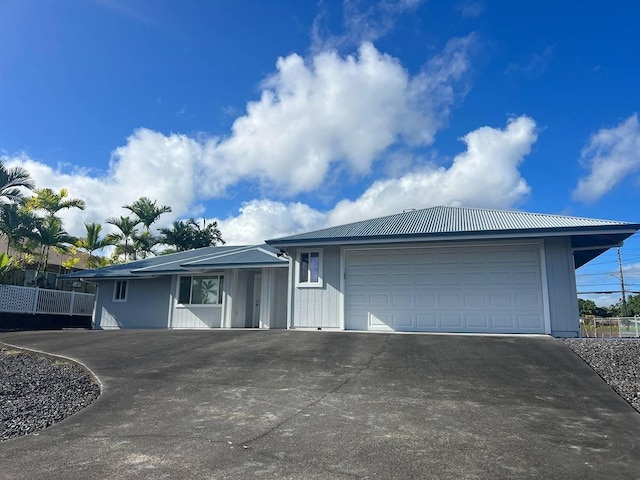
257	293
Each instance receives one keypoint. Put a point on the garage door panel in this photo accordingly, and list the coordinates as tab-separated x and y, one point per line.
379	299
526	278
528	321
403	321
475	301
451	320
477	321
503	321
500	300
379	279
426	300
529	299
426	320
447	301
357	300
486	289
401	300
402	279
355	279
379	320
359	321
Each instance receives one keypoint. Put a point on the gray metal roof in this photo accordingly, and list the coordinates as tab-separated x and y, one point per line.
434	222
185	262
264	255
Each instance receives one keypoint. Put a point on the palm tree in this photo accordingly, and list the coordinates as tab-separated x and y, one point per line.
178	236
92	242
49	233
13	181
16	223
147	211
208	235
51	202
189	235
123	240
143	244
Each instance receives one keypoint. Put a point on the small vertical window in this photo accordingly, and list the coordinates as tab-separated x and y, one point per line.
304	267
120	291
310	268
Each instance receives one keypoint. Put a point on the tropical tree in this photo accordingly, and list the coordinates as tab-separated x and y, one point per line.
124	239
17	224
143	244
49	233
13	182
92	242
189	235
208	235
147	211
51	202
178	236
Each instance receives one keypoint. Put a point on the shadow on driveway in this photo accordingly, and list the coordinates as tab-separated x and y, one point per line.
318	405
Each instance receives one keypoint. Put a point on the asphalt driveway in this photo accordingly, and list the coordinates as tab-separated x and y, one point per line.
319	405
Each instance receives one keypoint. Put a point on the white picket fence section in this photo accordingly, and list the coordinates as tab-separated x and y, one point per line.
16	299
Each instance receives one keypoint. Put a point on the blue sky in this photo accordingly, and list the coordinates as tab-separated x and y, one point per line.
284	116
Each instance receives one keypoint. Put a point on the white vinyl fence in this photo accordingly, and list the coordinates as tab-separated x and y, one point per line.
16	299
611	327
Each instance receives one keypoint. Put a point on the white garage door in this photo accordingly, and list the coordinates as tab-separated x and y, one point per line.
495	289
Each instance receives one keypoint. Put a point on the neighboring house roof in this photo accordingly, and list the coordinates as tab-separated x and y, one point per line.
590	237
207	258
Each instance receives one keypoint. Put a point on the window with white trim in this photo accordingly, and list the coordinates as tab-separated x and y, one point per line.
309	268
120	288
200	290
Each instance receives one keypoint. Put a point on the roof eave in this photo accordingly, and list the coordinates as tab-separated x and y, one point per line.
433	237
235	265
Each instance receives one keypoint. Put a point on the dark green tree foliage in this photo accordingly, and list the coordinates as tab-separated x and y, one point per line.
189	235
49	233
13	183
143	244
17	224
93	242
124	239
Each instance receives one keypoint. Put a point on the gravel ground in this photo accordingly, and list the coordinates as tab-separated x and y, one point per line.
36	392
616	361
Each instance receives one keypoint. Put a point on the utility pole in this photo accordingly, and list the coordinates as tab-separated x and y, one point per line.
624	293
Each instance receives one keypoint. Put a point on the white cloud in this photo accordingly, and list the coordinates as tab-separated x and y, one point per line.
261	220
316	120
610	155
332	114
164	168
485	175
366	23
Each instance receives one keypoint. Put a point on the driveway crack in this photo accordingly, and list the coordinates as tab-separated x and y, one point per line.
311	404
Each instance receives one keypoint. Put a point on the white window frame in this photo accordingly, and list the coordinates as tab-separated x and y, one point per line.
220	277
117	288
308	283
